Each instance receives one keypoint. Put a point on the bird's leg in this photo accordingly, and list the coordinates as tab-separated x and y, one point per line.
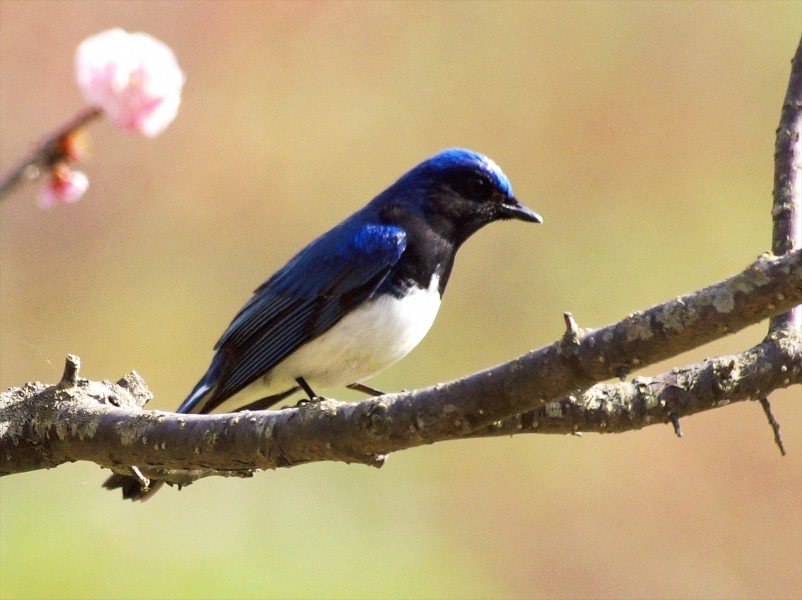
306	388
365	389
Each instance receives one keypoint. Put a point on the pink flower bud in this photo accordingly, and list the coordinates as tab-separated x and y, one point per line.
133	77
64	186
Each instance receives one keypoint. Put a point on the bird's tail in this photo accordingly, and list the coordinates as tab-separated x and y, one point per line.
201	400
131	486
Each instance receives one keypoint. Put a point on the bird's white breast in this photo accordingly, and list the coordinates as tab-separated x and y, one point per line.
364	342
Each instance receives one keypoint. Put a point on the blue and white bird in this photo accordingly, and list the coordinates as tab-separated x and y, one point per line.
359	297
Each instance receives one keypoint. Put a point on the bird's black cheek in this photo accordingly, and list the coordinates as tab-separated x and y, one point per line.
491	212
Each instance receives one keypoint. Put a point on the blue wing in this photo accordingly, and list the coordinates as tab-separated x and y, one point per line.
322	283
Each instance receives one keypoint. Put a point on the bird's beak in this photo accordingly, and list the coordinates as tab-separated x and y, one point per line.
512	209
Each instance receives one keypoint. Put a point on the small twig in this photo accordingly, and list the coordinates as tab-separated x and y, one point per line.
143	481
48	152
775	426
71	367
570	324
675	422
569	345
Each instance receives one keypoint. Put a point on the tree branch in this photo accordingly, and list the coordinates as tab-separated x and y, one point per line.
47	425
625	406
787	210
542	391
51	150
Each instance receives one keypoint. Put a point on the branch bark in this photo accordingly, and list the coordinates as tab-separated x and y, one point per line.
787	209
83	420
555	389
625	406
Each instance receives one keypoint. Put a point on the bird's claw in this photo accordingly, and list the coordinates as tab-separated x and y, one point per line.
307	401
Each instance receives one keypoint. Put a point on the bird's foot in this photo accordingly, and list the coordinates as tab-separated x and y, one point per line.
307	401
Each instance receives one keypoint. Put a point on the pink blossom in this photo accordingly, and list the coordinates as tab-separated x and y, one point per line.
64	186
133	77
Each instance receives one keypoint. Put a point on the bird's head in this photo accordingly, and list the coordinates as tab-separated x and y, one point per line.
464	191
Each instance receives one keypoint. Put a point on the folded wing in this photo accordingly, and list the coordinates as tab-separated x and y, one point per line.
311	293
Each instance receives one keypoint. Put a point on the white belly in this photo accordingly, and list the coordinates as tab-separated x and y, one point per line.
364	342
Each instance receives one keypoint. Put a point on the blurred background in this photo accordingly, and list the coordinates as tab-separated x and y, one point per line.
642	132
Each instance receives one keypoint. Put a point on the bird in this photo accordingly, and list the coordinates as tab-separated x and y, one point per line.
358	298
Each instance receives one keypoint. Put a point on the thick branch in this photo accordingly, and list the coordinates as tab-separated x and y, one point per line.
617	407
45	426
643	338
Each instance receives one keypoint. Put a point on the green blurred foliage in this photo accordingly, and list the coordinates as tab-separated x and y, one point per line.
643	132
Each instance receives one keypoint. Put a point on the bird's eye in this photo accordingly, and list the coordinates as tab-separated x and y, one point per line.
477	187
